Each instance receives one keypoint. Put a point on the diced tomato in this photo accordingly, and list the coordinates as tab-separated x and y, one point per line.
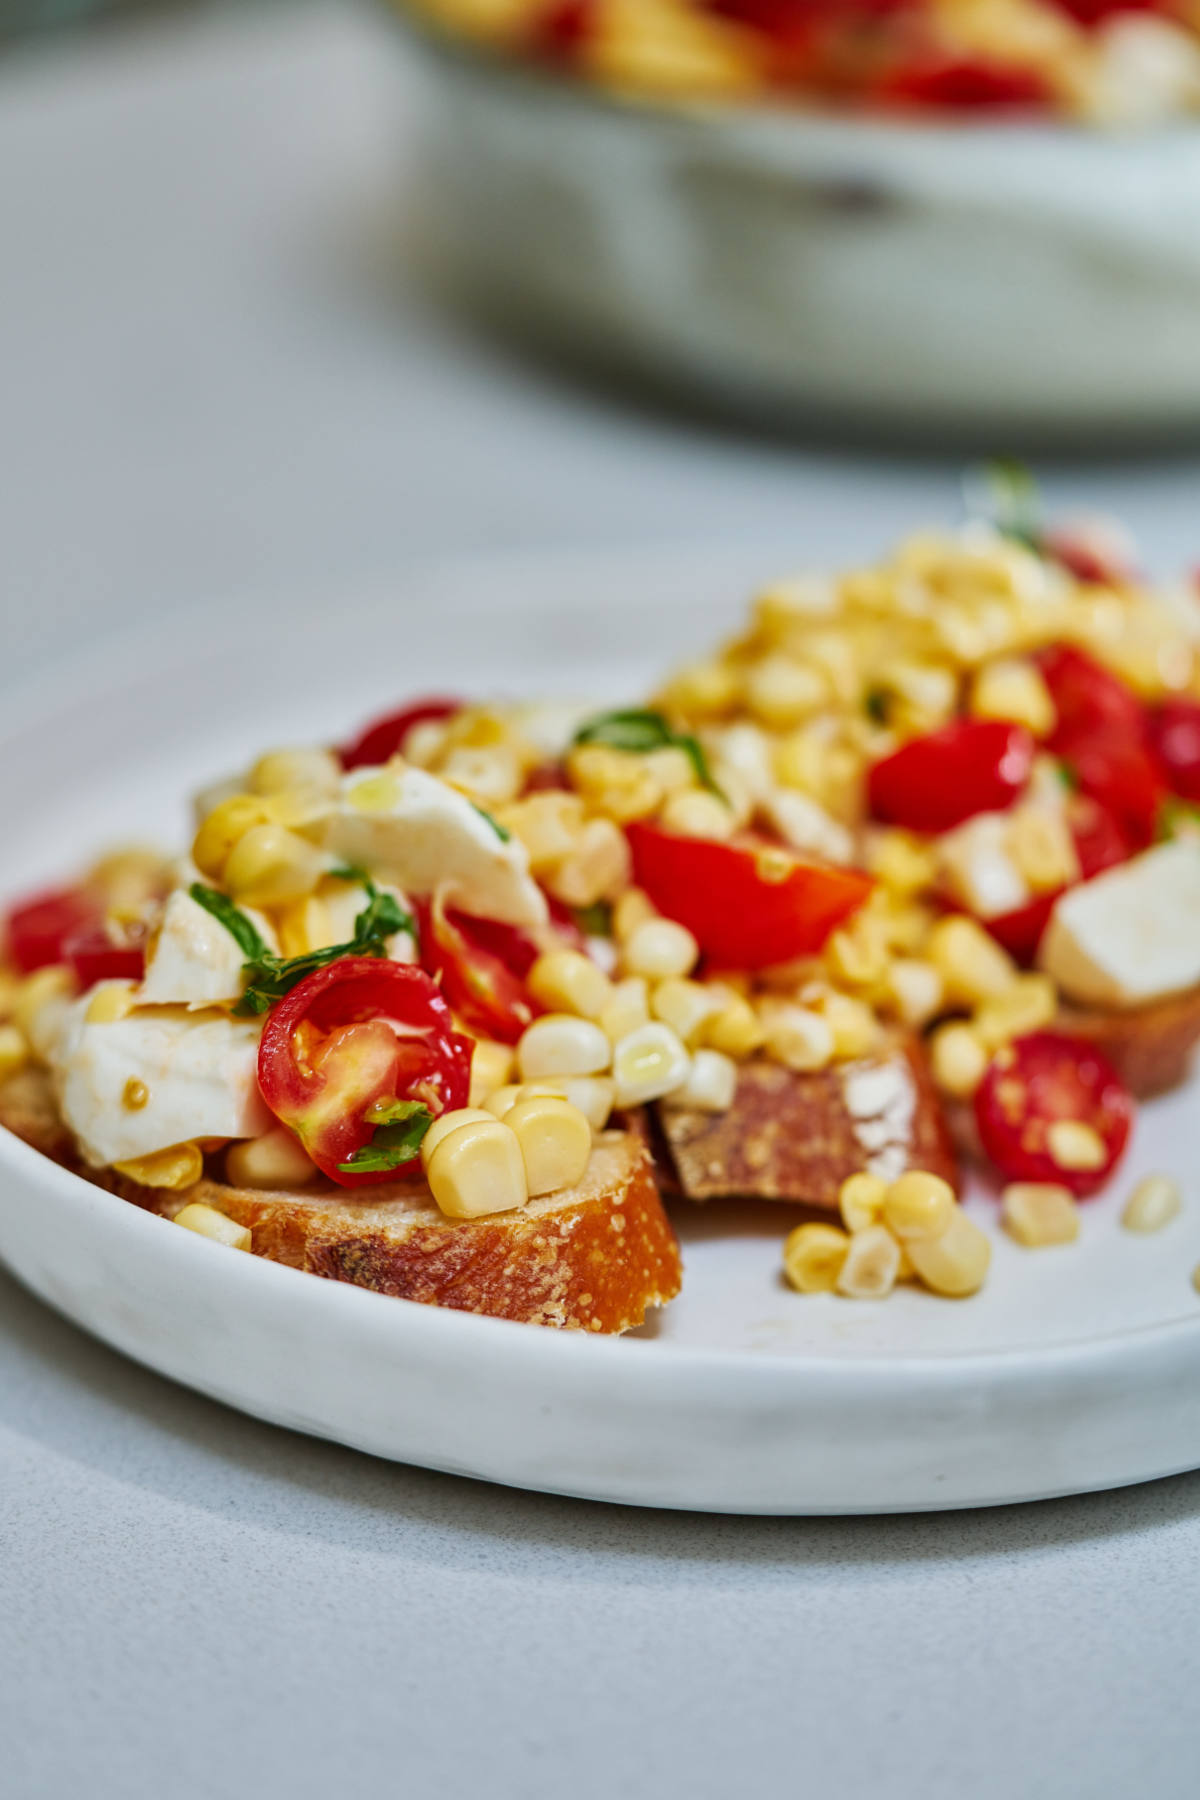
37	931
106	952
481	966
550	777
358	1033
964	84
749	904
1174	732
384	737
1087	696
1118	772
564	29
1097	12
1099	844
1038	1081
937	782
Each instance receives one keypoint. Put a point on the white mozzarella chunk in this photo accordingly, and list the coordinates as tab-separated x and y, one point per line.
1129	936
198	1073
409	827
344	902
978	868
196	962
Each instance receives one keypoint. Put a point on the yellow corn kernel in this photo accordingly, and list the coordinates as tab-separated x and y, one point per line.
1041	845
902	862
224	828
1076	1146
477	1169
1154	1202
129	878
857	952
271	865
1038	1214
671	767
836	655
913	990
178	1167
796	1036
631	909
277	1160
686	1006
627	1007
647	1064
547	824
304	925
658	949
555	1140
448	1122
860	1200
1030	1004
207	1222
710	1085
1011	688
955	1264
492	775
54	982
567	981
598	866
616	782
813	1256
562	1044
14	1051
970	961
801	760
736	1030
135	1095
871	1265
291	771
111	1001
491	1066
503	1099
593	1095
703	690
924	695
854	1026
781	691
905	923
695	812
919	1205
959	1060
656	48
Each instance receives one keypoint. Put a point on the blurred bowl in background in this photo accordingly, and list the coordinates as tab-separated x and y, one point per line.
985	280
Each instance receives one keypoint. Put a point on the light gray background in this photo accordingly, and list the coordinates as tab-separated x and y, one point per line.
215	376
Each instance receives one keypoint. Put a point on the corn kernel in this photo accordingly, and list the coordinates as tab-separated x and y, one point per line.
701	690
503	1099
304	925
736	1030
955	1264
598	866
618	783
1076	1146
270	865
632	909
686	1006
711	1084
1011	688
492	774
491	1066
1030	1004
959	1060
223	829
628	1006
288	771
860	1200
277	1160
913	990
477	1169
871	1265
647	1064
448	1122
797	1037
1154	1202
207	1222
854	1027
593	1095
555	1140
110	1002
919	1205
695	812
970	961
671	767
857	952
925	695
561	1044
135	1095
178	1167
549	826
45	986
780	691
902	862
1041	845
14	1051
813	1256
660	948
1039	1214
567	981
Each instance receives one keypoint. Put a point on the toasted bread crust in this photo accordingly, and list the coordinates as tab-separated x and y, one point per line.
1151	1047
593	1258
796	1137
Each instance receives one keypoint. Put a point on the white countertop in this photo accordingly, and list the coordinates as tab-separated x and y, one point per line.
219	374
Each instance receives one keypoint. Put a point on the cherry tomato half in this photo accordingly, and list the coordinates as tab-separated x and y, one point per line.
358	1032
964	84
481	966
749	904
384	737
1174	733
1041	1080
37	931
1118	771
1099	844
1087	696
937	782
106	952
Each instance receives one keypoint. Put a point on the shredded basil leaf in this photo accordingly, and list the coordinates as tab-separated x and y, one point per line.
1176	816
1012	501
876	703
1068	774
240	928
641	731
501	831
269	978
595	920
395	1140
350	872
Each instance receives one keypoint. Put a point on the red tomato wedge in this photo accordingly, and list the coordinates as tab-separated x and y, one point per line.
384	737
1099	844
964	84
1175	741
1118	772
937	782
106	952
1041	1080
38	930
481	966
1087	696
352	1036
750	903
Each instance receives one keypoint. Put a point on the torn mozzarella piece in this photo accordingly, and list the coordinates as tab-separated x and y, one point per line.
408	827
195	961
155	1078
1129	936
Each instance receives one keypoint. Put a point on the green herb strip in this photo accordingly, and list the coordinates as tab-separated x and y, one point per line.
240	928
1015	503
396	1139
643	731
501	831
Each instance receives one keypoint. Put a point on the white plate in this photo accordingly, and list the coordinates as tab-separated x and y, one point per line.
1075	1369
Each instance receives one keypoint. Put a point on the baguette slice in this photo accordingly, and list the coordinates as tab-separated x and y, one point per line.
591	1258
796	1137
1151	1047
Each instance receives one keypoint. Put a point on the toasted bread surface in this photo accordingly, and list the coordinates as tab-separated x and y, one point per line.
796	1137
1151	1047
591	1258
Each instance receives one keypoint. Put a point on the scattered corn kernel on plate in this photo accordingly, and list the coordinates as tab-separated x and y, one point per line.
1075	1367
